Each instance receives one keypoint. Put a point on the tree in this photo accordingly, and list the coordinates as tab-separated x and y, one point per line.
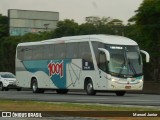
4	26
86	29
147	20
97	21
106	25
66	28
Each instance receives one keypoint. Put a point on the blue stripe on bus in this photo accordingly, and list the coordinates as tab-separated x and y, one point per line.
55	69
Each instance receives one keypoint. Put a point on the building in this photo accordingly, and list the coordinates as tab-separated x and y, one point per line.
29	21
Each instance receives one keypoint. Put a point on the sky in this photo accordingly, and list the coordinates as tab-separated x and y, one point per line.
77	9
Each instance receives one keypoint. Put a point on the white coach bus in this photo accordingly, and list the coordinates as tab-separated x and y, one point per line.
89	62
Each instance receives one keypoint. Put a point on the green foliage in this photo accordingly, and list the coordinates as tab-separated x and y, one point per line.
66	28
8	48
148	21
147	24
3	26
86	28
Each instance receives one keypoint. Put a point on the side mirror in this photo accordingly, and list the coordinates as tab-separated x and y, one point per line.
106	53
147	55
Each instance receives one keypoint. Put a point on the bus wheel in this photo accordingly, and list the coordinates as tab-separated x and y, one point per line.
89	88
19	89
62	91
1	87
6	89
120	93
35	88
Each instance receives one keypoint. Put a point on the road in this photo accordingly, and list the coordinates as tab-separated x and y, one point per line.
81	97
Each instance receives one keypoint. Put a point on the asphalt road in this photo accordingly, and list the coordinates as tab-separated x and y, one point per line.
81	97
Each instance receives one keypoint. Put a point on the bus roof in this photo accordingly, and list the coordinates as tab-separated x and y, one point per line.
107	39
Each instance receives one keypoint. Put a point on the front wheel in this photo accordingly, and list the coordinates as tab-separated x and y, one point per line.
120	93
89	88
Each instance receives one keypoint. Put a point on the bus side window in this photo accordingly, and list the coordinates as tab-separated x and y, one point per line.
20	53
37	52
28	53
51	51
60	51
102	62
84	51
72	51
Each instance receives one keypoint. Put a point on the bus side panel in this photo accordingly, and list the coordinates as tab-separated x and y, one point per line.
43	79
49	73
22	75
74	74
56	74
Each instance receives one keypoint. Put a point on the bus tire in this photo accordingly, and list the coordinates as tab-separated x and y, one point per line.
62	91
19	89
89	88
6	88
120	93
35	88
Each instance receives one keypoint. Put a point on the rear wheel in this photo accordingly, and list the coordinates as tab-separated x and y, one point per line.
19	89
89	88
35	88
6	88
120	93
1	87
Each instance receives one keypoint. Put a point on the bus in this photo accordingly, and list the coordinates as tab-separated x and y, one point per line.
93	63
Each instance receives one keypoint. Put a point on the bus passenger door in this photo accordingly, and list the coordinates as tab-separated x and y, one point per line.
103	68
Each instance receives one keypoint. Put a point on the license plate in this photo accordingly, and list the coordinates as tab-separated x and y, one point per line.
127	87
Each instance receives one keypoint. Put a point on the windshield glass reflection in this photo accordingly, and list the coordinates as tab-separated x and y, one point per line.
124	60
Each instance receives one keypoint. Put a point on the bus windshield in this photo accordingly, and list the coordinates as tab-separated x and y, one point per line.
125	61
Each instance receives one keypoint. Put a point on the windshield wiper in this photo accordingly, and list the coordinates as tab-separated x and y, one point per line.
131	67
122	66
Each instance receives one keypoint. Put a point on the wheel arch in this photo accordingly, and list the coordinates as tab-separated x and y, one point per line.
86	80
32	79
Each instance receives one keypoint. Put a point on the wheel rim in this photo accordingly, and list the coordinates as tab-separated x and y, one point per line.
89	87
34	86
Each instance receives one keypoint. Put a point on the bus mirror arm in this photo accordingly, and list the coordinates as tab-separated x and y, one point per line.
106	53
147	55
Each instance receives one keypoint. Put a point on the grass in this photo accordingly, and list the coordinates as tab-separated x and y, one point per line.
49	106
9	105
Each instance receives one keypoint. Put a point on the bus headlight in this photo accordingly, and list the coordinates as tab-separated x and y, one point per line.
114	79
140	80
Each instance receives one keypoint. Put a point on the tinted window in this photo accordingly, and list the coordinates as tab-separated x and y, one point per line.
20	53
49	52
102	62
7	75
72	50
37	52
97	45
84	51
28	53
60	51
